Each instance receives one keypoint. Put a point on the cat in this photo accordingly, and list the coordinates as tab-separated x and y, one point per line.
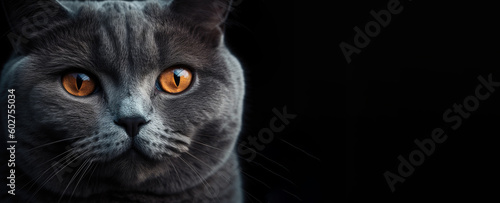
122	101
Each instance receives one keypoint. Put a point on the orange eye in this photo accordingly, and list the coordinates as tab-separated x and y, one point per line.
174	80
78	84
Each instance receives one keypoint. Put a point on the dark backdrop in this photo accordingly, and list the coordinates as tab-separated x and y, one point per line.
265	35
280	47
427	59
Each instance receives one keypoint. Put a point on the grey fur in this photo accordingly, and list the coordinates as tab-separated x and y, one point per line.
188	145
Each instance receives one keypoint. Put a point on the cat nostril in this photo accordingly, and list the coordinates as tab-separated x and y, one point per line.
131	124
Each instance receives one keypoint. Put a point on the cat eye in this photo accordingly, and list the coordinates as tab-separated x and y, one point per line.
78	84
174	80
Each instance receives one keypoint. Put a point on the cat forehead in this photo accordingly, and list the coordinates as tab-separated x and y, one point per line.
117	13
127	35
112	11
111	6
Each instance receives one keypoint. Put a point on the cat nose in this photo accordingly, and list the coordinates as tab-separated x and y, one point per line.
131	124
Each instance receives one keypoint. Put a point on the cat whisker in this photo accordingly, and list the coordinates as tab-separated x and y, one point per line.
177	138
283	167
176	172
252	196
96	164
56	172
73	178
81	177
67	151
198	149
240	169
258	180
179	149
54	142
92	173
206	145
227	179
198	159
271	171
62	160
199	176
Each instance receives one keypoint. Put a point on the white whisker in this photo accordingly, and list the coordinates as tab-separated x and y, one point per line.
199	176
176	172
69	150
211	168
73	178
55	173
207	145
54	142
81	177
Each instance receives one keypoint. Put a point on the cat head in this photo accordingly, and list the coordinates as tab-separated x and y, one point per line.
137	91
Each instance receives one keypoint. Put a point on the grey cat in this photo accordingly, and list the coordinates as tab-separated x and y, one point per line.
122	102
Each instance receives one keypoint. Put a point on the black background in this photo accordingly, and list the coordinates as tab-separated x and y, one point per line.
285	48
265	35
428	58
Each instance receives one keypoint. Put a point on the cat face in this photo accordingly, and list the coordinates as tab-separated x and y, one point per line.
137	91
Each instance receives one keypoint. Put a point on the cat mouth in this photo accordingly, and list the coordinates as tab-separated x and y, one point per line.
130	167
134	153
137	152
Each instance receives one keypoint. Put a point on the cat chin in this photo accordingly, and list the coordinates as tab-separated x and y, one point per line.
132	168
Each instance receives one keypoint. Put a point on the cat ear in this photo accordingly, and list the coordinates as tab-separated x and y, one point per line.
209	15
29	18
